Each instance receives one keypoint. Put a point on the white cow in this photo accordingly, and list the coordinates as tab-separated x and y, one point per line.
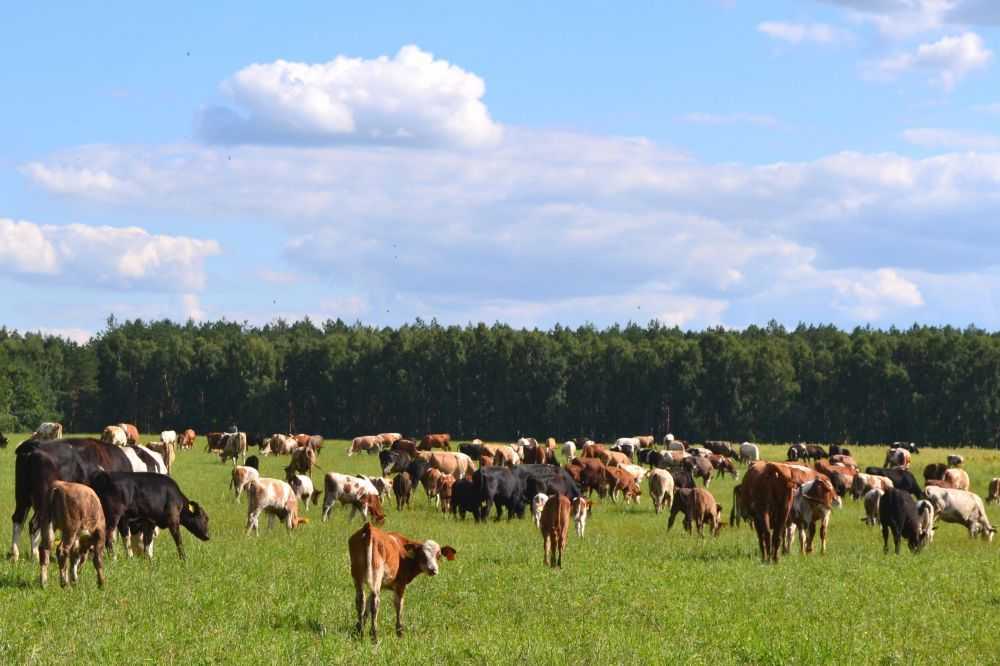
872	500
661	489
580	508
749	453
537	504
242	476
302	486
274	497
568	451
116	435
926	515
168	437
48	431
960	506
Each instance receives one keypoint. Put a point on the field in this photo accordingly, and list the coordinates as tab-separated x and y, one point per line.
630	592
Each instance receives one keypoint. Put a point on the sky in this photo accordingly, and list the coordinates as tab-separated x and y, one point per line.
697	162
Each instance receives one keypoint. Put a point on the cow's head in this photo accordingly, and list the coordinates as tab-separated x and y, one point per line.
428	554
374	506
194	518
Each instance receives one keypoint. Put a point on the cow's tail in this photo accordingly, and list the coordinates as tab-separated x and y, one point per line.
733	517
369	543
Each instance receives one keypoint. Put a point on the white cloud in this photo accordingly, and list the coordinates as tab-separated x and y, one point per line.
868	296
702	118
798	33
409	99
948	139
905	18
948	60
79	335
192	307
107	257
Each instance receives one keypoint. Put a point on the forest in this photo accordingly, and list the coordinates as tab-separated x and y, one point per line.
932	385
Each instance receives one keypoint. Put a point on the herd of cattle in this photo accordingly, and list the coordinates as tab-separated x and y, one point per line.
91	489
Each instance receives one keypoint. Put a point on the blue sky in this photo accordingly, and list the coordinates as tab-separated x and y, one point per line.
705	162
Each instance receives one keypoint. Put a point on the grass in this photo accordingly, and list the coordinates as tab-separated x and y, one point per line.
630	592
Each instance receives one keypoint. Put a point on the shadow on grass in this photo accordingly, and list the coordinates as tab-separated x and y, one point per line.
11	582
308	626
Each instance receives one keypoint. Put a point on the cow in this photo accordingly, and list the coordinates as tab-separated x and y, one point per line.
957	477
749	453
391	462
498	487
168	437
723	465
368	444
638	472
767	493
548	479
909	446
721	448
281	445
846	460
382	484
186	439
275	498
815	452
502	454
993	492
812	504
539	455
359	493
213	441
439	441
898	514
116	435
167	451
739	511
699	507
872	499
389	438
590	474
865	482
676	445
455	464
927	516
388	560
402	489
37	464
303	488
242	476
838	450
148	500
960	506
465	498
443	492
902	479
407	446
616	459
627	445
796	452
131	432
620	481
554	524
841	476
897	457
47	431
661	489
701	467
955	460
75	511
234	445
934	471
682	477
303	460
537	504
568	451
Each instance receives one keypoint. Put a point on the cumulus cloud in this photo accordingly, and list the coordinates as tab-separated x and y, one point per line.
79	335
949	139
101	256
869	295
756	119
411	99
905	18
799	33
948	60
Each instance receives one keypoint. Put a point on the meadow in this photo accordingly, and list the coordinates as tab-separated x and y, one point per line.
629	592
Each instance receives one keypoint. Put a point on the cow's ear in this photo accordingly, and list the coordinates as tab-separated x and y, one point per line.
448	552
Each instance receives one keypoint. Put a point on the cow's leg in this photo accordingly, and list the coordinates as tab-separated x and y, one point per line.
545	549
398	601
896	533
99	560
175	532
328	500
64	554
17	524
359	605
885	538
373	604
43	555
822	534
812	537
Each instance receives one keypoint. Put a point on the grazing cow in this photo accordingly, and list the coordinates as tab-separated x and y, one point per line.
115	435
927	516
872	499
796	452
960	506
388	560
749	453
955	460
443	491
47	432
620	481
841	459
815	452
661	489
616	459
500	488
638	472
439	441
465	498
723	465
700	467
537	504
957	477
242	476
368	443
359	493
993	492
234	445
767	493
812	504
935	471
303	488
75	511
186	439
902	479
402	489
455	464
391	462
721	448
554	524
865	482
897	512
281	445
699	507
389	438
150	501
502	454
303	460
897	457
274	497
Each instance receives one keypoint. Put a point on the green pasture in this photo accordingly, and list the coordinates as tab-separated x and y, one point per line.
629	592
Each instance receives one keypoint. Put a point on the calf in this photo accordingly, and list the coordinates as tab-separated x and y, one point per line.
150	501
75	510
537	504
241	478
699	507
303	488
872	499
661	489
554	524
388	560
811	506
430	481
276	498
465	498
898	514
402	488
993	496
443	492
359	493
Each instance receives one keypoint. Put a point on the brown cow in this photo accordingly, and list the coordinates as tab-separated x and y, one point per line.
699	507
590	474
429	481
958	478
407	445
75	511
452	463
213	441
621	481
390	438
503	455
186	439
443	492
366	443
617	459
646	441
131	432
303	460
388	559
440	441
555	528
844	460
993	496
402	488
767	492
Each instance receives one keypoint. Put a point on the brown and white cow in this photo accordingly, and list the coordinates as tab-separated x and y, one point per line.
186	439
581	510
811	506
274	497
537	504
452	463
48	431
388	560
114	434
872	499
359	493
620	481
554	524
241	478
368	444
389	438
443	492
75	511
865	482
699	507
437	441
131	432
502	455
957	477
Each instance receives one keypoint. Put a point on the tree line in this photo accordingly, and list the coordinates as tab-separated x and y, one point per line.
816	383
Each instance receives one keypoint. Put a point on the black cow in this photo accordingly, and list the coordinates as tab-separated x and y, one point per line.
394	461
901	479
837	450
722	449
898	513
256	439
3	441
38	463
796	452
909	446
402	488
548	479
700	467
416	469
145	500
935	471
682	477
465	498
815	452
646	456
499	487
474	451
252	461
